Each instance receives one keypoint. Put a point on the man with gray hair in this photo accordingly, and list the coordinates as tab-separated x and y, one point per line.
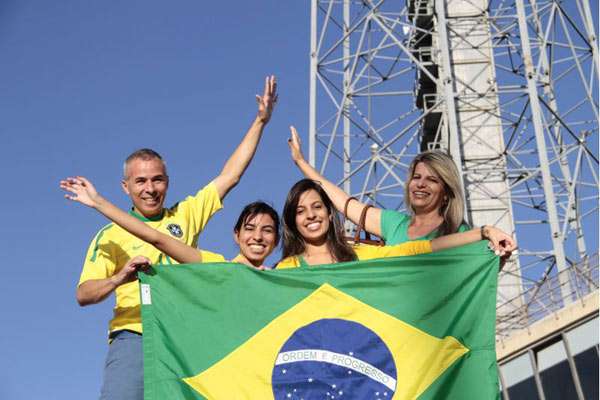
115	256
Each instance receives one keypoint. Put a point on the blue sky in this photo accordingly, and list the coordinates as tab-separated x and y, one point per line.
85	83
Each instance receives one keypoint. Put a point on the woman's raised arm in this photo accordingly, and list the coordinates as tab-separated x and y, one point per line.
82	191
502	243
337	195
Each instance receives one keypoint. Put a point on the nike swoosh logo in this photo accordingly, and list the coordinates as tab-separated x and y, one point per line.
137	247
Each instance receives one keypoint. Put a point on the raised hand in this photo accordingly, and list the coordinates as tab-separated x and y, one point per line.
267	101
81	190
295	145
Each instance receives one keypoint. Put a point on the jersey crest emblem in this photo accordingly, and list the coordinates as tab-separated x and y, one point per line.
175	230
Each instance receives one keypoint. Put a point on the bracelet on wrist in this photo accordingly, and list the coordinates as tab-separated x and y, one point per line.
484	236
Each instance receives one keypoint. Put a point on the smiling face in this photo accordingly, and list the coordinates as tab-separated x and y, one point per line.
257	238
312	217
146	183
425	189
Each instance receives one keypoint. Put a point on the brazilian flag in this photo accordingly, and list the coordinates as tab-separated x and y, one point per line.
417	327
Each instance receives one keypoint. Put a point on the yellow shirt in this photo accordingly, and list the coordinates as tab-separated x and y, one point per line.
209	257
238	259
113	247
369	252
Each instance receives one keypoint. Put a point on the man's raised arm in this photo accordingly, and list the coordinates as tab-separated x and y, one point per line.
238	162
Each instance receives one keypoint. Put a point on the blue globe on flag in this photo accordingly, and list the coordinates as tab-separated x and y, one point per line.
334	359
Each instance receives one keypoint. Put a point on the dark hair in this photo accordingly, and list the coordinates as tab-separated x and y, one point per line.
143	154
293	242
252	210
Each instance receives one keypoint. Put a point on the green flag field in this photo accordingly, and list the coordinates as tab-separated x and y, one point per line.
417	327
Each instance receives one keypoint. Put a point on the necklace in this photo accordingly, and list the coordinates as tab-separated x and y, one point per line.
320	253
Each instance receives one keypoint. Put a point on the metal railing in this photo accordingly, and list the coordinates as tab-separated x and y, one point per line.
548	295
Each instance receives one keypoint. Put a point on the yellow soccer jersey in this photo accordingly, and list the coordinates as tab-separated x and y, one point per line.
209	257
369	252
113	247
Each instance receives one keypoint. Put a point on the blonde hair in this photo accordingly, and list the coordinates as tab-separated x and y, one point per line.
453	209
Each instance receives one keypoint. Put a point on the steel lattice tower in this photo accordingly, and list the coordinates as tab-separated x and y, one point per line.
508	88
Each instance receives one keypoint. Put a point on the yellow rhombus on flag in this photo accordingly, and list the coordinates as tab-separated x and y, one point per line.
248	372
